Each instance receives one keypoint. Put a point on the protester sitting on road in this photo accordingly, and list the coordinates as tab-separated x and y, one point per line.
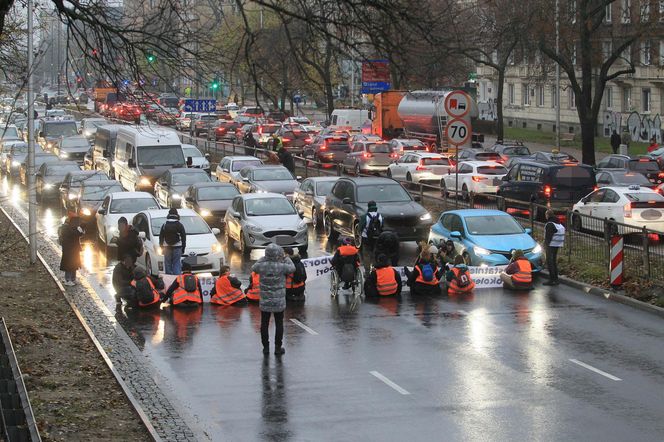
286	159
185	290
128	242
388	244
147	289
227	289
296	281
272	270
459	281
346	261
428	253
383	280
173	241
253	291
123	275
518	274
69	237
448	254
425	277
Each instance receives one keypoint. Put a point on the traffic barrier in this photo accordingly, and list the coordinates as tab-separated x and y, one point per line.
616	262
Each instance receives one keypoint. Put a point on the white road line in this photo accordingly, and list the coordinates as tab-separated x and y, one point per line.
309	330
389	382
596	370
463	312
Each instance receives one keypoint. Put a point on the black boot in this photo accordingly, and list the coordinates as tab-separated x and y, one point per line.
279	351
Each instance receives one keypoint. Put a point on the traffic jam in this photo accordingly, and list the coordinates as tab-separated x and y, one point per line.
167	210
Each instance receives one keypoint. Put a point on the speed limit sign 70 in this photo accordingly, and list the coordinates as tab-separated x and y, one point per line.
457	132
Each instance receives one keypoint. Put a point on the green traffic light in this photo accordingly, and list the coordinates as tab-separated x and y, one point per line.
215	85
151	58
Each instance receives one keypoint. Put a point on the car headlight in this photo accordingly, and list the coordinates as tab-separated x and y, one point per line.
144	181
72	196
48	186
86	211
301	225
481	251
16	164
64	155
425	217
159	251
253	228
205	213
537	249
176	196
49	145
216	247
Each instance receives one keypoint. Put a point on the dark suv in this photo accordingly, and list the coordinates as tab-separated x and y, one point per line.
646	166
546	183
328	149
347	203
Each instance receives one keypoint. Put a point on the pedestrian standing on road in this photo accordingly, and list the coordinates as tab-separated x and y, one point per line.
272	270
554	238
371	226
388	244
615	142
173	241
123	275
296	281
275	143
69	237
518	274
250	143
286	160
128	243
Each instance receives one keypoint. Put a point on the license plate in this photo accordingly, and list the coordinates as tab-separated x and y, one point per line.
495	182
283	240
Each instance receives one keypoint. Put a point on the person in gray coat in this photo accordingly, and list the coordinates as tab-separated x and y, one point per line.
272	270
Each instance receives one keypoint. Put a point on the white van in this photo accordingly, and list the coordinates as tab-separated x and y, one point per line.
351	118
142	154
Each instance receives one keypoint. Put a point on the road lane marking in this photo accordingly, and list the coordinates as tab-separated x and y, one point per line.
596	370
463	312
304	327
389	383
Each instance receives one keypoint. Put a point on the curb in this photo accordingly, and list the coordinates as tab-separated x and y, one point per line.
609	295
132	400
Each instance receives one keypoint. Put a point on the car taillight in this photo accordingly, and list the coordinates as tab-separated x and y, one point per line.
595	188
307	140
285	139
367	155
547	191
421	166
477	179
660	175
394	155
323	148
628	210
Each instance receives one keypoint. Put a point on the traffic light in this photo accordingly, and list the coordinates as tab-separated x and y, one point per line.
215	84
95	52
151	57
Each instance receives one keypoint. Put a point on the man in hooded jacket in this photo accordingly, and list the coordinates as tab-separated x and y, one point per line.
173	241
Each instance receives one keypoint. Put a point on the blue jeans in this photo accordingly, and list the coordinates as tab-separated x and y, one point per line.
173	260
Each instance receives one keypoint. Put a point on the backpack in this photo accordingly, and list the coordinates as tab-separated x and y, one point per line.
374	227
463	280
190	285
143	291
300	274
348	272
171	234
427	272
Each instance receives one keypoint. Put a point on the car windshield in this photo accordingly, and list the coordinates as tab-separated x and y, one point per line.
268	207
57	130
268	129
413	145
491	170
272	175
193	225
42	159
217	193
10	132
632	178
160	156
644	166
382	193
20	148
339	146
323	188
88	177
132	205
640	197
208	118
379	148
61	169
98	193
493	225
241	164
440	161
574	176
192	152
93	124
75	143
516	151
179	179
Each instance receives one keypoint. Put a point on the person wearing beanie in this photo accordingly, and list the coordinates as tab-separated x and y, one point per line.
383	280
425	277
173	241
371	226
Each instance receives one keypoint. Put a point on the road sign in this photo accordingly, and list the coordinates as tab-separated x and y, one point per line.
457	132
375	76
209	105
457	104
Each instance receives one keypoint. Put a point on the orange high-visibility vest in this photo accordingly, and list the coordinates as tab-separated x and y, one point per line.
254	293
156	296
225	293
524	276
461	283
181	295
347	250
434	280
386	282
293	285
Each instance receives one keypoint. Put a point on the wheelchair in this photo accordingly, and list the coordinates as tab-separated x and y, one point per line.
357	285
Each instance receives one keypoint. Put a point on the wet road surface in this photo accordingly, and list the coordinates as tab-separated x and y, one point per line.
553	364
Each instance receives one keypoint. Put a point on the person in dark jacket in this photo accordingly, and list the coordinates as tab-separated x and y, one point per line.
447	255
275	143
192	299
296	281
250	143
615	142
173	241
123	274
346	255
128	243
272	270
69	236
383	280
554	239
388	244
286	159
147	289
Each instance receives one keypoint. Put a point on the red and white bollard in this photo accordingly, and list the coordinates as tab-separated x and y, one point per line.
616	264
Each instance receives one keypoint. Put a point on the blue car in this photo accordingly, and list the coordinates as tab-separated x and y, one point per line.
485	237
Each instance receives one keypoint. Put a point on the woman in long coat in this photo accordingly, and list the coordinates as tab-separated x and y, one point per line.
69	236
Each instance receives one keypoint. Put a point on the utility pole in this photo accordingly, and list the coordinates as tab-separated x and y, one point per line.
557	93
32	197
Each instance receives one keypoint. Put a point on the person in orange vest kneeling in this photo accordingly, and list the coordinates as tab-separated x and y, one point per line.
147	289
185	290
227	289
519	273
253	292
383	280
459	281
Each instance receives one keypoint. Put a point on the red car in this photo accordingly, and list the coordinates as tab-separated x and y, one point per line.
129	112
222	130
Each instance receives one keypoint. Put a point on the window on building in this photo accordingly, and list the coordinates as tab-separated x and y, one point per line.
627	55
644	10
525	95
511	58
626	99
494	56
608	93
574	54
607	49
661	52
540	96
645	99
554	97
646	52
510	93
608	16
572	10
571	98
625	11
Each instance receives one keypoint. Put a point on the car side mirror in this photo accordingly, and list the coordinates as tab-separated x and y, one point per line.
417	198
215	231
528	230
226	170
245	179
101	211
189	199
347	201
456	234
190	161
236	216
80	131
142	235
505	178
41	134
131	162
299	178
207	156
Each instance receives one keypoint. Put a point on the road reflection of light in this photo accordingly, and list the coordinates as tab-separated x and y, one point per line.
539	343
49	222
88	257
477	323
159	333
16	195
5	186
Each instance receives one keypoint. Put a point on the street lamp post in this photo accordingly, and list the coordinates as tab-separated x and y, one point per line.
32	197
557	92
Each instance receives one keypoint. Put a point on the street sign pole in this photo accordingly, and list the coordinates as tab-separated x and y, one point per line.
32	197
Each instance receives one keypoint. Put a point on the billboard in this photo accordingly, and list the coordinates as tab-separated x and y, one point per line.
375	76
